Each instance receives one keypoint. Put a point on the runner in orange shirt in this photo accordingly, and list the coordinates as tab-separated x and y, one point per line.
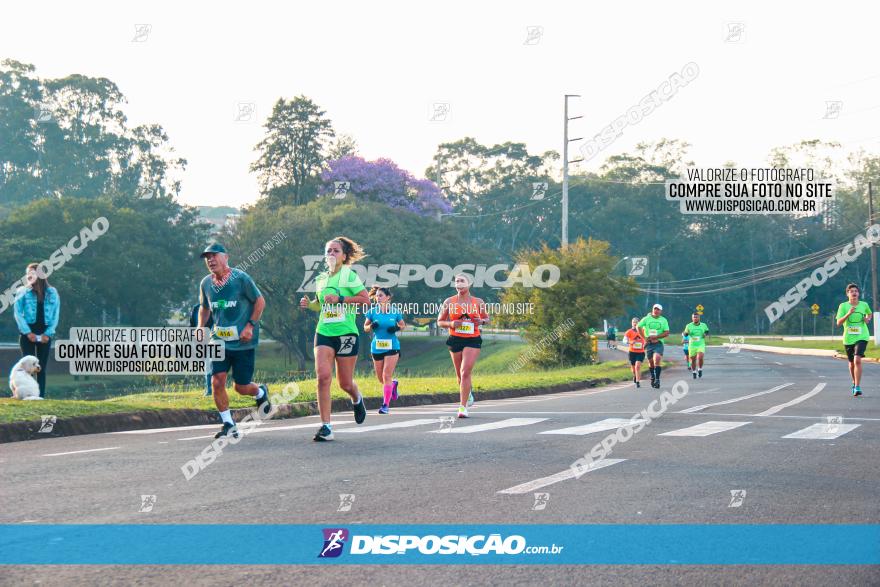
636	343
463	315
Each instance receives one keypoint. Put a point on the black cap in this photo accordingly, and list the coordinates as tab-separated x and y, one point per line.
213	248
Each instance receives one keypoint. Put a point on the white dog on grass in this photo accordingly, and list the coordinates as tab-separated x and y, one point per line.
22	380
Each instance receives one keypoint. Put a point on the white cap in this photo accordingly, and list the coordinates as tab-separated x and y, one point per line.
658	306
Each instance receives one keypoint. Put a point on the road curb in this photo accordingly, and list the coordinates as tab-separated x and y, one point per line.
103	423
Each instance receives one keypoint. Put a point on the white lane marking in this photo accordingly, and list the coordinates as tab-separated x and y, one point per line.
509	423
705	429
561	476
600	426
735	399
245	430
76	452
850	418
823	431
159	430
796	400
296	426
623	412
777	362
404	424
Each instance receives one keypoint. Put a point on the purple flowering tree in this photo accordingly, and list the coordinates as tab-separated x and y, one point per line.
384	182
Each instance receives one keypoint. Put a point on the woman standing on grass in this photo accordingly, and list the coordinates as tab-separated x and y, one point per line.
36	314
463	315
384	323
338	293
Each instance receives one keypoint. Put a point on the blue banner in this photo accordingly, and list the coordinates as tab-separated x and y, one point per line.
206	544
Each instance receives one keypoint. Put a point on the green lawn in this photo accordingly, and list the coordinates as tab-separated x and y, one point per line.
181	396
421	357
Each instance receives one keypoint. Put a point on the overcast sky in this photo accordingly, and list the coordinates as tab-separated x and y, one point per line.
378	69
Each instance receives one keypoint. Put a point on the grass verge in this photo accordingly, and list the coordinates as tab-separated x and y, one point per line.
179	397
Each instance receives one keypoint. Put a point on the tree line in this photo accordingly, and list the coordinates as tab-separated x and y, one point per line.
68	155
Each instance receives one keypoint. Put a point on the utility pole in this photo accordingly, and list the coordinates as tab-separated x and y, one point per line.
565	162
873	266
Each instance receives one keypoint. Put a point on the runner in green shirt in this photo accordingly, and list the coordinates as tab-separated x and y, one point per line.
654	328
854	315
696	332
339	292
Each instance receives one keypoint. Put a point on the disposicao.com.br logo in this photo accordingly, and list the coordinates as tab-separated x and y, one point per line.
430	544
439	275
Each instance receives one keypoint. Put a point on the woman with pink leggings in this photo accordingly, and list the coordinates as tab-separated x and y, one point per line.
384	323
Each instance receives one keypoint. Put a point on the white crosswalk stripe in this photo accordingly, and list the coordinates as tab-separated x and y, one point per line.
509	423
823	431
556	478
390	426
600	426
705	429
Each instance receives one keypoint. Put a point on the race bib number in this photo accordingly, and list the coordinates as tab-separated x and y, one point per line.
226	332
695	338
383	344
465	328
854	329
637	345
331	316
652	333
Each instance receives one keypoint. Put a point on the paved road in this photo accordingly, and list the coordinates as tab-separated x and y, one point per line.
755	423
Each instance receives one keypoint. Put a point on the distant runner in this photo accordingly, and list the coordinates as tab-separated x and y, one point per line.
636	343
697	332
385	348
684	345
611	337
463	315
855	314
654	328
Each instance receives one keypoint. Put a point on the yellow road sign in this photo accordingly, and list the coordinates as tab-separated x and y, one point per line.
700	309
814	309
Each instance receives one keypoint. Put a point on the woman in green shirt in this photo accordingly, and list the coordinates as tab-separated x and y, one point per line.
338	293
854	314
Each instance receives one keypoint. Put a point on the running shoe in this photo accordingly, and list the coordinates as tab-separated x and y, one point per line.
857	391
694	373
657	384
324	434
701	373
471	400
394	395
227	427
638	384
360	411
383	409
263	404
462	412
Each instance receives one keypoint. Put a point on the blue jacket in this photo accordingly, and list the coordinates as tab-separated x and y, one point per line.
26	310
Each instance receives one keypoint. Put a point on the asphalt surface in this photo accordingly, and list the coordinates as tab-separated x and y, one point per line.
431	470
